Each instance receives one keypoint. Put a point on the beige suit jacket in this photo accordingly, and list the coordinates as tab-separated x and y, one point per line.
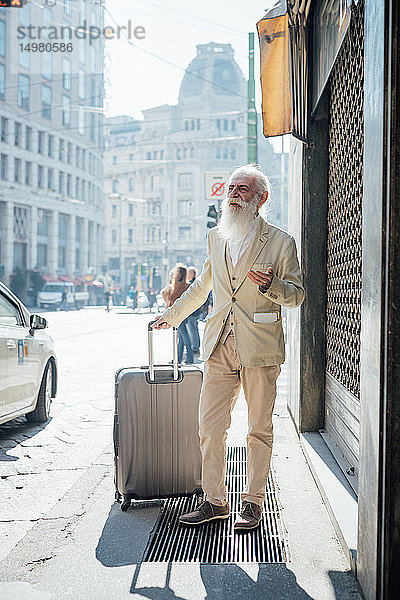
258	344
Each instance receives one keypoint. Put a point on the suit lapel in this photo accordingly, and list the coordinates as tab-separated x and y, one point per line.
252	253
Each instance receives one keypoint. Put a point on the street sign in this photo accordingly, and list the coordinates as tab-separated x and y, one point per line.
215	185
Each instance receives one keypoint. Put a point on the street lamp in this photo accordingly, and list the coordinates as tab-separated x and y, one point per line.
165	259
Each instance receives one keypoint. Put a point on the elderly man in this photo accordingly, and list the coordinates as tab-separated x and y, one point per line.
253	270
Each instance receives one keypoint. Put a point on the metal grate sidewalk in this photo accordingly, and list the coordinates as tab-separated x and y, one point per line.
216	542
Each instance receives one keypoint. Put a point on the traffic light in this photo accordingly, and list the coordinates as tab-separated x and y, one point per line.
212	214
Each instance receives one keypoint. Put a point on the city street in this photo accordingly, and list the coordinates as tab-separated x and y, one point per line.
61	530
40	463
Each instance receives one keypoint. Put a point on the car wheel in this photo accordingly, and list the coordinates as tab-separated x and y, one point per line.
41	413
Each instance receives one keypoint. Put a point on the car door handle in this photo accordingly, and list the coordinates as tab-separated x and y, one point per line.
11	345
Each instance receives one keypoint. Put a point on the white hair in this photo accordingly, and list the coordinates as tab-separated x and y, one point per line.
263	184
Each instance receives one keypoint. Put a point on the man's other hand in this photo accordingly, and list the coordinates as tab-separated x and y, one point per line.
263	280
160	324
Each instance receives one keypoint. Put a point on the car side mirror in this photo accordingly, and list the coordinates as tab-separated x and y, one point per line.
38	322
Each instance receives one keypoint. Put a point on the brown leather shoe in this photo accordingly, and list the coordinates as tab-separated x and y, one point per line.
249	517
205	512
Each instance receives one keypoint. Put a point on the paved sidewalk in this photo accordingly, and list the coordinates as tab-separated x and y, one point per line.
87	547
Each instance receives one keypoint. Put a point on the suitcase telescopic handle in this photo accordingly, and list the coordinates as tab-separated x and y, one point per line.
150	333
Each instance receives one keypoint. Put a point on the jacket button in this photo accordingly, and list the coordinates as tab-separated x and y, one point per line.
234	278
233	299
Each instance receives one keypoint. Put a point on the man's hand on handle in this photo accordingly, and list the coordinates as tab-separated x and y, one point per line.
263	280
160	324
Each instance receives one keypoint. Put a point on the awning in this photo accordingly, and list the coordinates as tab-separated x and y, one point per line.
49	277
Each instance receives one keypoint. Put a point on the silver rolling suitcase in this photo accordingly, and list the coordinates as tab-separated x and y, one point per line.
156	440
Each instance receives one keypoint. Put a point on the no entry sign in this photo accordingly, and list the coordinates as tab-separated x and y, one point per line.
215	185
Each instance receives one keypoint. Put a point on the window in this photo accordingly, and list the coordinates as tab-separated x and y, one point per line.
218	123
115	160
28	138
184	234
225	124
40	176
4	129
66	74
9	314
4	166
69	186
186	125
148	155
178	154
115	186
47	99
60	182
131	157
185	153
66	110
2	81
50	145
28	173
198	123
155	182
2	38
81	121
83	159
81	84
82	50
130	236
233	154
40	142
161	154
17	170
192	153
42	255
185	181
78	157
226	152
131	210
217	152
130	184
17	133
77	188
61	150
24	91
92	127
50	179
155	154
24	59
192	124
184	207
113	236
233	125
69	153
68	7
114	211
47	66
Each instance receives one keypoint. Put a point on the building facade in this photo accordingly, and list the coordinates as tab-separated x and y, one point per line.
155	198
51	145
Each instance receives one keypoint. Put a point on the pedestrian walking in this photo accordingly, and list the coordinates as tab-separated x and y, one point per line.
174	290
253	270
193	319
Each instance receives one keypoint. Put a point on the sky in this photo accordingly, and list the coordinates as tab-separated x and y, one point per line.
148	72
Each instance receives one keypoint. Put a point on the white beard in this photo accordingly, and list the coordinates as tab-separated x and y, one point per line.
234	223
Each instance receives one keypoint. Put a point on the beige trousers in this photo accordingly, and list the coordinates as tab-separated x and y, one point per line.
223	376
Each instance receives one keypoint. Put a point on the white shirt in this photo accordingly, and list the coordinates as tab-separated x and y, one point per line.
238	247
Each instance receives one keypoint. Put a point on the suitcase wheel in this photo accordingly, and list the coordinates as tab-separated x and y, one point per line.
125	504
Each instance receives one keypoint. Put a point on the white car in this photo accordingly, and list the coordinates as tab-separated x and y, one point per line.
28	365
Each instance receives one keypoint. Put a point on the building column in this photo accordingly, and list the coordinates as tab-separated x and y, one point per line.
71	242
53	243
32	260
84	247
9	240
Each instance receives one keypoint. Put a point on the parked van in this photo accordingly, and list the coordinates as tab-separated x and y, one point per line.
51	295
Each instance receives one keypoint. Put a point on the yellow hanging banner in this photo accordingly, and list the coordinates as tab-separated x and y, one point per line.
273	33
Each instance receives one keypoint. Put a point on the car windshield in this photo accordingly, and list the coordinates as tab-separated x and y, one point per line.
53	288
